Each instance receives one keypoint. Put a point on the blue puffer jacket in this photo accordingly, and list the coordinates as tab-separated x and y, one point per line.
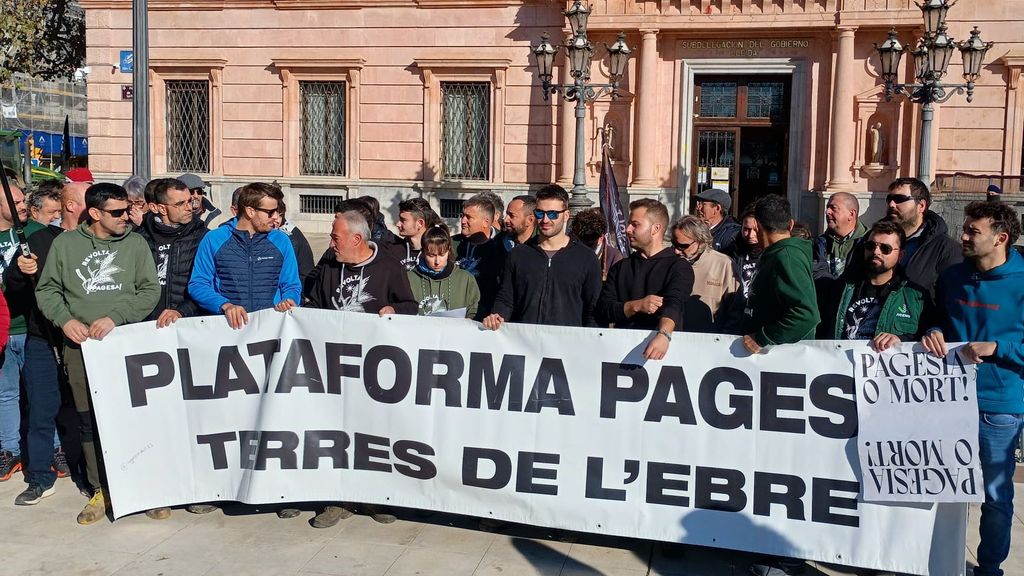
253	271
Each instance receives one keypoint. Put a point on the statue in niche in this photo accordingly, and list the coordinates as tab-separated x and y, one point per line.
876	143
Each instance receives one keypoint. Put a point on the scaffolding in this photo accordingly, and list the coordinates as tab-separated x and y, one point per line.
37	108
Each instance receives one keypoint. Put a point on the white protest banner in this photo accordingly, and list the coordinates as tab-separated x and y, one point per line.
551	426
918	436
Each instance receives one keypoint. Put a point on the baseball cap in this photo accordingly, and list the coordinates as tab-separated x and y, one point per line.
993	189
720	197
79	175
192	181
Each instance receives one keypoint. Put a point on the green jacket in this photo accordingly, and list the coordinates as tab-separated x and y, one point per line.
87	278
455	290
901	315
782	307
8	254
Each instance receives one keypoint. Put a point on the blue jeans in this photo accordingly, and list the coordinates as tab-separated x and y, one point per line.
997	439
10	397
42	389
10	392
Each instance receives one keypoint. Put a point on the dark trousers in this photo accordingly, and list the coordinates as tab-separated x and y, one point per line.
87	424
42	390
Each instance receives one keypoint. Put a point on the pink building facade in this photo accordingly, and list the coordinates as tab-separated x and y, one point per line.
396	98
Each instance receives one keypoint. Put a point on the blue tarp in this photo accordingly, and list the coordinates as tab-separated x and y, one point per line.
52	144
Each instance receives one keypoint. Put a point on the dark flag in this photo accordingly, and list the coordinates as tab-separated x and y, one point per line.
610	204
65	150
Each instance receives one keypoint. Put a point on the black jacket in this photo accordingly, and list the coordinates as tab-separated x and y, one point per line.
20	289
303	252
380	281
665	274
725	234
485	261
557	291
174	251
935	252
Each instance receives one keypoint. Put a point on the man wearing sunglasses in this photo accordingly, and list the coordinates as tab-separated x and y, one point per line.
877	302
929	249
97	277
202	208
246	264
553	279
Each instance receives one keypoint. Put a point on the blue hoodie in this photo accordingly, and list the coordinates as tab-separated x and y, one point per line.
989	307
253	271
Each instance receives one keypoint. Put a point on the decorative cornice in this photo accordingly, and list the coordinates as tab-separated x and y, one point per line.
215	5
187	63
318	63
462	63
1014	61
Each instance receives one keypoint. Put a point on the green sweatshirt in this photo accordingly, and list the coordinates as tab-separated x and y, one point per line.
782	307
455	289
87	278
8	254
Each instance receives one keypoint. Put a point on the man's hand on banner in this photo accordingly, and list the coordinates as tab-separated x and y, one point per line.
285	305
76	331
236	315
647	305
28	265
101	327
751	345
493	322
975	351
657	347
883	341
934	342
167	317
386	311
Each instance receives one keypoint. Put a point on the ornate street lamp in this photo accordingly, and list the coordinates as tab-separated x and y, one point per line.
932	56
581	90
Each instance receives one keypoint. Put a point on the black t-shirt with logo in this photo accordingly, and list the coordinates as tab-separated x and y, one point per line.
861	316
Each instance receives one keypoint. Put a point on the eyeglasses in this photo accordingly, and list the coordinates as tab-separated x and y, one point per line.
118	213
886	249
551	214
270	212
179	204
898	198
682	247
137	203
198	191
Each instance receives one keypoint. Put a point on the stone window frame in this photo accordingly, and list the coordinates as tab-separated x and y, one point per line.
1013	132
437	70
209	70
295	70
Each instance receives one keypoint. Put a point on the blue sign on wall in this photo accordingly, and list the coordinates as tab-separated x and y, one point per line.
127	61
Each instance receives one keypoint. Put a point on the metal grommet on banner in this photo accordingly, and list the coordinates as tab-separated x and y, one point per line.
718	338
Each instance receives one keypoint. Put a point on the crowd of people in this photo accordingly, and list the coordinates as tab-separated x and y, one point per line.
103	255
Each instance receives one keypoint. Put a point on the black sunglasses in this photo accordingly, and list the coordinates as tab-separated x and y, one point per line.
270	212
898	198
682	247
551	214
886	249
114	213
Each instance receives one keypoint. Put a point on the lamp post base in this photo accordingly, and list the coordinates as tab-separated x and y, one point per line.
579	201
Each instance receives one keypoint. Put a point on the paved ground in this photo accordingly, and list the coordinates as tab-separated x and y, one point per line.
241	541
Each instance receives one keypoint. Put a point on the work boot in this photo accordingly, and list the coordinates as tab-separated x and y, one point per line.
330	516
9	464
201	508
159	513
380	514
95	510
285	513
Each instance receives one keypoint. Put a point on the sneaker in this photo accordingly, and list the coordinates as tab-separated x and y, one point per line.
158	513
201	508
330	516
95	510
60	463
9	464
380	514
33	494
285	513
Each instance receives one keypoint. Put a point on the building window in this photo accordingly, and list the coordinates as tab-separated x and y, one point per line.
718	99
318	203
465	130
766	100
451	208
188	126
323	128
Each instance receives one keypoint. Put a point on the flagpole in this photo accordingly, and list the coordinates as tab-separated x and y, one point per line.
140	84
